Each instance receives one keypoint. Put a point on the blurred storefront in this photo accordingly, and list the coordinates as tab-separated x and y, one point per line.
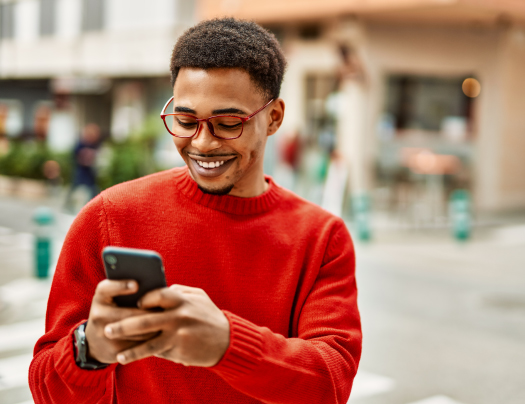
83	61
419	97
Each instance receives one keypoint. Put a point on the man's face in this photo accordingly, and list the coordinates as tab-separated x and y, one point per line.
204	93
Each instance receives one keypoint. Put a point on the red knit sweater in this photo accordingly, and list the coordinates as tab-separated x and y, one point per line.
280	268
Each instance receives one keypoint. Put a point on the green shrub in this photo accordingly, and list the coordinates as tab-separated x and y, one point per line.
26	159
132	158
122	161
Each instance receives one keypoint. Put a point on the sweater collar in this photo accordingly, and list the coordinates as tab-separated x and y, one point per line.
226	203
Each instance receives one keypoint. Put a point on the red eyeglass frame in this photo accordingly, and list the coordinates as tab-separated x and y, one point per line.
208	123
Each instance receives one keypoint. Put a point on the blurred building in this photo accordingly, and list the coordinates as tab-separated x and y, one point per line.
417	94
81	61
419	97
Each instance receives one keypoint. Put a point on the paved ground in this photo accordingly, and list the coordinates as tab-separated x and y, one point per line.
443	323
446	320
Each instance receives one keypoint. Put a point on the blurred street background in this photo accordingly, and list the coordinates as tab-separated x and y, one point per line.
404	117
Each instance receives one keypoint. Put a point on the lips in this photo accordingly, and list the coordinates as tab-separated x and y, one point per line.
216	166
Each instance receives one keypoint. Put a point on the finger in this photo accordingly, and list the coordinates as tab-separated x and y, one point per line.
105	313
113	314
167	298
149	348
107	289
143	337
133	326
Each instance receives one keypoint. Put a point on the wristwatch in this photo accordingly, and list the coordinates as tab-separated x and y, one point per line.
81	348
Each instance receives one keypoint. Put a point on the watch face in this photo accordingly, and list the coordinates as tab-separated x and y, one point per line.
80	345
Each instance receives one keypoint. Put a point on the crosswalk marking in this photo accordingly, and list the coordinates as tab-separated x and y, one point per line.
20	241
368	384
14	371
26	299
38	307
437	400
25	290
20	335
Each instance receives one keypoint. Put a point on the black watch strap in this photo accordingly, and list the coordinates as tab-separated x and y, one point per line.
81	348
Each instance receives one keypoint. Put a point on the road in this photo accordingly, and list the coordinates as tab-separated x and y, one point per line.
443	323
445	320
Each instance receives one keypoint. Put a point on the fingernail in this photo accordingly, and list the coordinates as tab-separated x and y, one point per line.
130	285
108	330
139	304
121	358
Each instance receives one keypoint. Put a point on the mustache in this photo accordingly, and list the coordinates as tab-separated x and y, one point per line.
210	155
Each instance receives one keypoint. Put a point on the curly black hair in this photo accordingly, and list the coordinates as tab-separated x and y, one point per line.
228	42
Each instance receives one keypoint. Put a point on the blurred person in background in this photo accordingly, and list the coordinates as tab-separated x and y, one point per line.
41	123
4	142
262	299
84	159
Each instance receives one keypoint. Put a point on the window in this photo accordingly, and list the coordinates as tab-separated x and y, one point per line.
11	117
310	32
92	15
319	88
426	103
7	17
47	17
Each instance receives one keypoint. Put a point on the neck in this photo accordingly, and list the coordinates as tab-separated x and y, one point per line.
250	187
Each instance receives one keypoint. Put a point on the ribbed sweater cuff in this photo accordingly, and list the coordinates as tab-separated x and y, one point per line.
245	350
69	371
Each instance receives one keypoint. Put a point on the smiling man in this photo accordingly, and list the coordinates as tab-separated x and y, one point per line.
224	153
261	303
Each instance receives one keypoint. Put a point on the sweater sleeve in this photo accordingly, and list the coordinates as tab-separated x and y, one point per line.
54	376
320	364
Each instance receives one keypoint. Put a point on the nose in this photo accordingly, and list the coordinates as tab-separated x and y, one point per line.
203	140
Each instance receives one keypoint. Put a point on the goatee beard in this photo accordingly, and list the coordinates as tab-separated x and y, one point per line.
220	192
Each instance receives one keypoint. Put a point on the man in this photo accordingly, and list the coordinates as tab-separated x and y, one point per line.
85	154
261	304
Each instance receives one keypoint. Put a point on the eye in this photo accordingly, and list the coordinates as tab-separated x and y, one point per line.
233	126
228	123
186	122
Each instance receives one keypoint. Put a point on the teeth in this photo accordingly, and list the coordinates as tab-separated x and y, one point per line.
210	164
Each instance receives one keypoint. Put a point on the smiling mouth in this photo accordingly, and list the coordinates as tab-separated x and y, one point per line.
210	161
211	166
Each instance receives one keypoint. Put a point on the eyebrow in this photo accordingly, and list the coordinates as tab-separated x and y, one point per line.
184	109
228	111
214	112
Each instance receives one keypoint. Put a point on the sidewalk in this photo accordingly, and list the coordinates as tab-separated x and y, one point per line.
23	298
16	234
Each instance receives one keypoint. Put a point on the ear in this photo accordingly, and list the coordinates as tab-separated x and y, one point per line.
275	116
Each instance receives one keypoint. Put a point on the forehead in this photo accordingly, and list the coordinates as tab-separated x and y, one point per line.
220	84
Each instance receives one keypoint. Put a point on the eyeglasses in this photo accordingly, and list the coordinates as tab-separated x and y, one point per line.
221	126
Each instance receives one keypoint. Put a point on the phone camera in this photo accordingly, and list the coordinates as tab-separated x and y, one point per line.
111	260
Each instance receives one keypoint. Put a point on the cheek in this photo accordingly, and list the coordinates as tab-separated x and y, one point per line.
255	152
180	144
255	148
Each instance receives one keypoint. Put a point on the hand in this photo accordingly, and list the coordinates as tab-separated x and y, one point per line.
193	331
104	311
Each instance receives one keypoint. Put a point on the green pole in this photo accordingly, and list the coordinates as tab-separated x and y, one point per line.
43	219
361	211
460	214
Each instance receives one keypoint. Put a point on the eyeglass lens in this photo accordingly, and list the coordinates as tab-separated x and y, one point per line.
185	126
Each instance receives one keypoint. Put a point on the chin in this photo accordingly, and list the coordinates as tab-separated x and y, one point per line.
216	190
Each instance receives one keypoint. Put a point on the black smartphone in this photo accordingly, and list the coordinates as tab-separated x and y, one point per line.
144	266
